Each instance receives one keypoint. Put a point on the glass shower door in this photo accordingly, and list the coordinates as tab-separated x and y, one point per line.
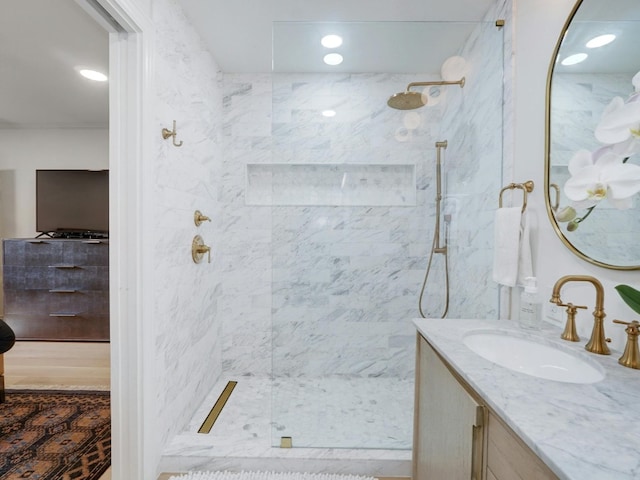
352	221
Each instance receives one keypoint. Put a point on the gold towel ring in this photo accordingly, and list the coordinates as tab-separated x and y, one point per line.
526	187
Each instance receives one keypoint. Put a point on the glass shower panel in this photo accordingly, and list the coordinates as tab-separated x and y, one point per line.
351	198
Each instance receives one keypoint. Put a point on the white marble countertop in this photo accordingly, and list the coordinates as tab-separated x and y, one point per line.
581	431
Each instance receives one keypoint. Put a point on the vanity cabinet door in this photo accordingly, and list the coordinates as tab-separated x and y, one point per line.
508	458
448	424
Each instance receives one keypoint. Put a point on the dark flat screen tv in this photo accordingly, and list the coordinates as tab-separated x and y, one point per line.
72	203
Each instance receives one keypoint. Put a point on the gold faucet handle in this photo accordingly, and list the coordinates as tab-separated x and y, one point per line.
571	308
621	322
634	326
631	356
570	333
198	249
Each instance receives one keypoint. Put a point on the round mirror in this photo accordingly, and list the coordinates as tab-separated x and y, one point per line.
593	134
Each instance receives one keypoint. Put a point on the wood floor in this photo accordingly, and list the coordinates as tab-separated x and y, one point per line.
52	364
64	365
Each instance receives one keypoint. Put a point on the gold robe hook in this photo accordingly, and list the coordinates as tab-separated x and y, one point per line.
166	133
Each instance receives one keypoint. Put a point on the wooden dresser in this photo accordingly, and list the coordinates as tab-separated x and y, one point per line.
57	289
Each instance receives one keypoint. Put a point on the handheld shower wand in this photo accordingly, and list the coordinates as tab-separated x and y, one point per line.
435	246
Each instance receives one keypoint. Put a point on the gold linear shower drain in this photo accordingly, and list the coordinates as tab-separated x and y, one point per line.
217	408
286	442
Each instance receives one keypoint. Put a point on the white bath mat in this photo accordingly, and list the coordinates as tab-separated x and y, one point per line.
265	476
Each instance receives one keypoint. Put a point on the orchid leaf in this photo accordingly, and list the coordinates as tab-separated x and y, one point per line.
630	295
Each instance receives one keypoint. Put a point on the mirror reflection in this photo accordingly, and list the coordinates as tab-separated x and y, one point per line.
593	158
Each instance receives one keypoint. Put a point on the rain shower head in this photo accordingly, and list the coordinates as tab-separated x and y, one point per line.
409	100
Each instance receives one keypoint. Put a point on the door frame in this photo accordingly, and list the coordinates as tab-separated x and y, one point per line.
135	452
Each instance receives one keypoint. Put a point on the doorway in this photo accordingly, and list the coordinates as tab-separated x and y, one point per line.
129	87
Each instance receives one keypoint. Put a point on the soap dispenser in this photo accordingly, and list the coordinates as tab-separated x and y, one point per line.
530	305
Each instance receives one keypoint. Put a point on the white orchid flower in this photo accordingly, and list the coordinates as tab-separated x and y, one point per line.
599	175
620	123
636	82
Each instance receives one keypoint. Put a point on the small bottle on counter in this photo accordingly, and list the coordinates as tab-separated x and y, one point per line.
530	305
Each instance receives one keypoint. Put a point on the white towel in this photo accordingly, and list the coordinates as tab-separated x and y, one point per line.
525	262
506	249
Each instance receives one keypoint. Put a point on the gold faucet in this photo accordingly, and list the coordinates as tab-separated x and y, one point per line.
597	342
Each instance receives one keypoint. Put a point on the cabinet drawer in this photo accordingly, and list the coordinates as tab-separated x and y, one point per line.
59	301
56	275
87	252
79	328
31	252
44	252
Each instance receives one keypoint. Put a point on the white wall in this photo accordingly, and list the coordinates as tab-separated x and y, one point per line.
23	151
538	24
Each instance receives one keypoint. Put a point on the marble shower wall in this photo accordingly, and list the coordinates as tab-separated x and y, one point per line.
331	287
327	288
346	278
186	329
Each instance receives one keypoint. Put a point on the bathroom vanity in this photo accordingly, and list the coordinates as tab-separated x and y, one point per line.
476	419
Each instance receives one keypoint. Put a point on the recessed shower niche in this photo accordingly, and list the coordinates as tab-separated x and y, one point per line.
331	184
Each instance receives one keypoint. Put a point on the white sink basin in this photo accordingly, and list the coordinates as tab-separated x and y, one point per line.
533	358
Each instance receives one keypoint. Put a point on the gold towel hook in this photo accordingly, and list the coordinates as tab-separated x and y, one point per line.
166	133
526	187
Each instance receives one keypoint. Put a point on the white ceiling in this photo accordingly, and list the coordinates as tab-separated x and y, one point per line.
43	41
41	44
368	47
239	32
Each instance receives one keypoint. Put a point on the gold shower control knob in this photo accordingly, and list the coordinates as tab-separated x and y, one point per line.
198	218
198	249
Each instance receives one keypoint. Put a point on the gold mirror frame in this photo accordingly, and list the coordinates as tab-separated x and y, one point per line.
547	176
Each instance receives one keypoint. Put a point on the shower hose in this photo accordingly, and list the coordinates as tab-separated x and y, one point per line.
443	251
435	246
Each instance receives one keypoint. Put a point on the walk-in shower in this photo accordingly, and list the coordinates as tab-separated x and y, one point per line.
436	246
327	227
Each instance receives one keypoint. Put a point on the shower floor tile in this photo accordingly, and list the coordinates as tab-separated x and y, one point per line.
343	413
346	425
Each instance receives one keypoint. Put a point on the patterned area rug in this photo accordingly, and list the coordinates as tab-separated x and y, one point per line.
54	435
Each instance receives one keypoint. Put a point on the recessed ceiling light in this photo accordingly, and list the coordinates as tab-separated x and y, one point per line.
328	113
573	59
333	59
601	40
331	41
93	75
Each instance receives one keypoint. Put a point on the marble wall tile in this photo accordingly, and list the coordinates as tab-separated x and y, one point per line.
187	327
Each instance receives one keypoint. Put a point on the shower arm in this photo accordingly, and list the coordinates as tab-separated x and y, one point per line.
431	84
